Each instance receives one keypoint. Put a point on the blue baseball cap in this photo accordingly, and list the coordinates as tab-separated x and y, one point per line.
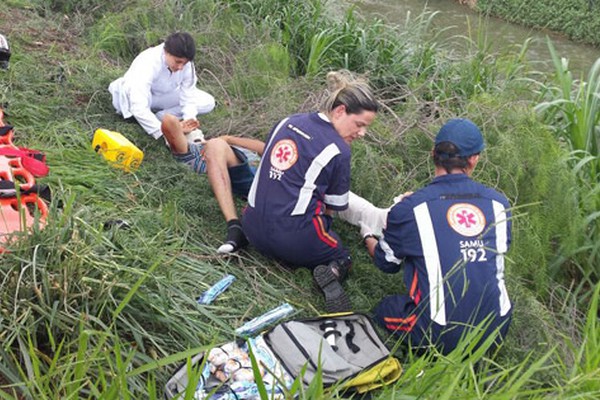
462	133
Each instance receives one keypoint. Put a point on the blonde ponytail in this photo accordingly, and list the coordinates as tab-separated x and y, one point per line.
354	93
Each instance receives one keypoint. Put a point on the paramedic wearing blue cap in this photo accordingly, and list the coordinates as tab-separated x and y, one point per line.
451	237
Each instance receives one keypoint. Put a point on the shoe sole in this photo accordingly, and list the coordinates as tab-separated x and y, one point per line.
336	299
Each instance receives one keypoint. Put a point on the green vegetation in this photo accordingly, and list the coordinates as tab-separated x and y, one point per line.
578	19
88	312
572	108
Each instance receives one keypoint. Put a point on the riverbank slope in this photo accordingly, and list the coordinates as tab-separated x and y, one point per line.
91	310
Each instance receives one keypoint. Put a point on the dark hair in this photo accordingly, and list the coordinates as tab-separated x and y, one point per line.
352	92
445	155
181	44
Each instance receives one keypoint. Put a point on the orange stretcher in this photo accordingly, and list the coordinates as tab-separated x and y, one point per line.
6	132
19	212
11	169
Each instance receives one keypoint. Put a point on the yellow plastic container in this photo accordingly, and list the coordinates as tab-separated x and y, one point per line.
117	149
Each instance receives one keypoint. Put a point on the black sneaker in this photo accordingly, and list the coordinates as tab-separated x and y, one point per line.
336	299
236	239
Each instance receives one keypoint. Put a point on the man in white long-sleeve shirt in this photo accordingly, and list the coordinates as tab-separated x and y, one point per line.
162	80
159	91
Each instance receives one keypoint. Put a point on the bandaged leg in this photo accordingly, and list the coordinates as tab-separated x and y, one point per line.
362	212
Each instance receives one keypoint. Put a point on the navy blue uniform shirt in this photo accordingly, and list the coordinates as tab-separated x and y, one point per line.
452	236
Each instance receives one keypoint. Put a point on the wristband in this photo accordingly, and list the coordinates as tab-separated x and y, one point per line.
367	236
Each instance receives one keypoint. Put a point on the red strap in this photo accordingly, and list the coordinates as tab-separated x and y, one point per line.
29	159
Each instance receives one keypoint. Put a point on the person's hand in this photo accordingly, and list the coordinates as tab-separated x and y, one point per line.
401	197
189	125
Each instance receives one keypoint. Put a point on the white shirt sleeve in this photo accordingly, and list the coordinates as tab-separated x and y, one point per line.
188	94
138	83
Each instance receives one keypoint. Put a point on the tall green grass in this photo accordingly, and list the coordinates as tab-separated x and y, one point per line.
318	41
571	107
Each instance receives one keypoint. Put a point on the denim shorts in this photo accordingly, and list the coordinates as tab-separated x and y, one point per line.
241	175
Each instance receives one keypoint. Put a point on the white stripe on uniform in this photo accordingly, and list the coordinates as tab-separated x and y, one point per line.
437	309
252	192
337	199
502	247
389	253
312	173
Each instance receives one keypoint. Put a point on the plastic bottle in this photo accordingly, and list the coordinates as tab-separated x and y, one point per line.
117	149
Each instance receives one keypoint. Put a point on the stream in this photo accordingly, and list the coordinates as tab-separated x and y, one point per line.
501	34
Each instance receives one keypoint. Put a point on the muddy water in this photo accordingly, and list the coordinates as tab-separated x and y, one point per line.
502	35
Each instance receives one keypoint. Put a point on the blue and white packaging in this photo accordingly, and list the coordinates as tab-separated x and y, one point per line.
211	294
257	324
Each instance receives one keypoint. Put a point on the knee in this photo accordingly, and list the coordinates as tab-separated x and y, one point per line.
170	119
211	103
169	122
215	149
205	102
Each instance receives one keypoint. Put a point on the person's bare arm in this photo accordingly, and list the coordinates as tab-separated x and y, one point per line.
370	243
254	145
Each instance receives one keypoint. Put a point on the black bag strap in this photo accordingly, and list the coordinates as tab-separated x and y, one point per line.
350	338
329	327
8	189
5	129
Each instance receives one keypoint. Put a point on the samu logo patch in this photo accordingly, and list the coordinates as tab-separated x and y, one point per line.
466	219
284	154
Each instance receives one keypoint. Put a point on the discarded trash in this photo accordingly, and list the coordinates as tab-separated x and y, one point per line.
116	223
211	294
253	326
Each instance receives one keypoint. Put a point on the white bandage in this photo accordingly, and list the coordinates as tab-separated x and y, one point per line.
364	214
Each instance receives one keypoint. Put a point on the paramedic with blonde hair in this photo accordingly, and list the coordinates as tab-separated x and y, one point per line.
303	178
